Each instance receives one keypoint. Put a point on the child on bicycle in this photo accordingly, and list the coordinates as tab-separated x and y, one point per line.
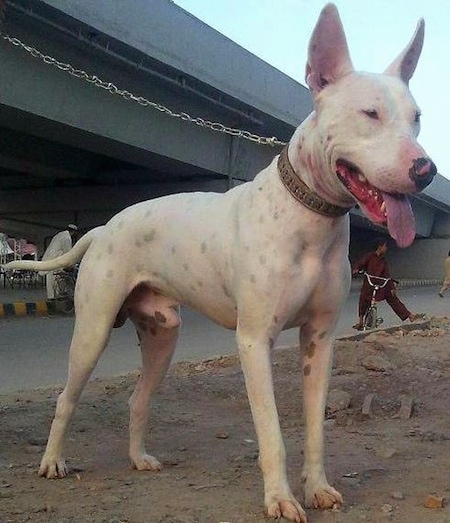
375	264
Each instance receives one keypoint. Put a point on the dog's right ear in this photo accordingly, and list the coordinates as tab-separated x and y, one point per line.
328	56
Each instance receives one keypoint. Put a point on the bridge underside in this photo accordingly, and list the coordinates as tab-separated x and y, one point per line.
71	152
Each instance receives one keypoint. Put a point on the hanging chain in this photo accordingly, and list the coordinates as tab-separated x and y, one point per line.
113	89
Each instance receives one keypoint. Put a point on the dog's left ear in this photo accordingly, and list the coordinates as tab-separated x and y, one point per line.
328	56
405	64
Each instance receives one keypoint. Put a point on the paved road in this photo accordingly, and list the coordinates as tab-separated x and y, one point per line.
33	351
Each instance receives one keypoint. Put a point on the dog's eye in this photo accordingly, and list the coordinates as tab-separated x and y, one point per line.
323	82
372	113
417	117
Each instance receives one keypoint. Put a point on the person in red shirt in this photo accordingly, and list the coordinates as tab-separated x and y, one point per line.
375	264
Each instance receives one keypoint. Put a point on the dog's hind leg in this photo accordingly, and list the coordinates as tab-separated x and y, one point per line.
317	352
89	340
157	347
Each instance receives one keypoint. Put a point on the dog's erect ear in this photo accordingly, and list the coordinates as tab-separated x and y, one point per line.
328	56
405	64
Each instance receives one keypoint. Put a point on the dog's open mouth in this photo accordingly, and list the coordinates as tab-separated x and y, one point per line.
393	210
367	195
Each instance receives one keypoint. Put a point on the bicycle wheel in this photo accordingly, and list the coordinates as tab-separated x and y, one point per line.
67	305
64	286
58	288
370	319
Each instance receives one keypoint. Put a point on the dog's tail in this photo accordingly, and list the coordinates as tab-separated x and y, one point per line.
65	260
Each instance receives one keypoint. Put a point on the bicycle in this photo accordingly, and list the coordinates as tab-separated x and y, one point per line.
371	320
64	288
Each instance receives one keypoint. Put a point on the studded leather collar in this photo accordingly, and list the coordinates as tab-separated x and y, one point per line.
302	193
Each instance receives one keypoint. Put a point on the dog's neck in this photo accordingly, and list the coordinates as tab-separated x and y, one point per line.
302	193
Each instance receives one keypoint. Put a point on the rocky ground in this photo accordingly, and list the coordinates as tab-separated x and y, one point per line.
387	440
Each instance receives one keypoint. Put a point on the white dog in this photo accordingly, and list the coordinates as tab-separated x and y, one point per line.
268	255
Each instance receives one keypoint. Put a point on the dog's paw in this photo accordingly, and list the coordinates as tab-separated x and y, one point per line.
322	497
289	509
53	468
146	462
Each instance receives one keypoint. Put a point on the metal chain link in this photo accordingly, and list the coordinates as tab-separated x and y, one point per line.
113	89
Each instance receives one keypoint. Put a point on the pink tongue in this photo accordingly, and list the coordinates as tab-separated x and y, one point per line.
400	219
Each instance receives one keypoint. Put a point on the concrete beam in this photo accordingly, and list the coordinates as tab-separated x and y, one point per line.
96	198
26	84
425	216
163	31
441	226
50	210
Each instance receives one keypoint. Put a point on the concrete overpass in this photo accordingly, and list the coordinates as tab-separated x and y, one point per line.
74	149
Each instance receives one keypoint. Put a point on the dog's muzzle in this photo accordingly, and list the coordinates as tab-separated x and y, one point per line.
422	172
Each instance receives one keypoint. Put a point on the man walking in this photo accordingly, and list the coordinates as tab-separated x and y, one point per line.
375	264
61	243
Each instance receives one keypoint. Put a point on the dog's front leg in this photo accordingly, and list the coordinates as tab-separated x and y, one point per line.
316	343
254	352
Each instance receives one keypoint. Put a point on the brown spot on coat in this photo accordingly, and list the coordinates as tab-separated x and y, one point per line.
149	236
297	255
226	291
159	317
296	258
311	349
307	370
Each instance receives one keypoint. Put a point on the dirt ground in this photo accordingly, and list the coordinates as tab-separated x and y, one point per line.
385	461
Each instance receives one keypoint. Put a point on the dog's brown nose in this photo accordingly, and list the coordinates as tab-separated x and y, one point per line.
422	172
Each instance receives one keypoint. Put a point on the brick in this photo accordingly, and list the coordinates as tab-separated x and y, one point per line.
366	411
433	501
406	407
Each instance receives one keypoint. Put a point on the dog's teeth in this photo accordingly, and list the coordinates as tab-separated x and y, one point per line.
383	207
361	178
